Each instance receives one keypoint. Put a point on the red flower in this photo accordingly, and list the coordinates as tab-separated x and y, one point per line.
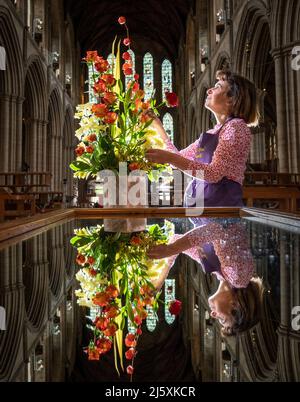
91	138
126	41
122	20
79	150
111	312
126	56
145	118
103	345
172	99
101	323
100	110
130	370
130	354
139	331
80	259
175	307
93	272
91	56
89	149
136	77
134	166
110	118
135	241
138	320
135	87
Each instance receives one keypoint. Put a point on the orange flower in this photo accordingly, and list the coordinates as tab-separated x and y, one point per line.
91	138
140	93
99	87
122	20
112	328
130	354
111	312
100	110
103	345
109	98
110	118
135	241
130	340
101	65
101	323
93	354
112	291
135	87
91	56
109	79
145	118
101	299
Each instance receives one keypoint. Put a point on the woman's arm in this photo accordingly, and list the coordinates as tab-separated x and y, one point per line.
231	152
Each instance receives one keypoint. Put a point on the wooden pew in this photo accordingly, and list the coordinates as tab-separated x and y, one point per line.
286	196
14	205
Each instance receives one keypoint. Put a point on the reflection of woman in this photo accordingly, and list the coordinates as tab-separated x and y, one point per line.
220	153
224	252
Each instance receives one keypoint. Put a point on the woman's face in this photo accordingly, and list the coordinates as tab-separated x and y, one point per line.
217	99
221	304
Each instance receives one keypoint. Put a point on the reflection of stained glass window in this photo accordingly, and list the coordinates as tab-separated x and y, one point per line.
92	98
131	328
151	319
169	125
148	75
130	77
166	75
169	296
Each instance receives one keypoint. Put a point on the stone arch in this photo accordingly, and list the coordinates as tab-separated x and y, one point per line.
55	251
252	20
223	61
34	115
191	52
12	78
69	58
204	118
54	139
68	143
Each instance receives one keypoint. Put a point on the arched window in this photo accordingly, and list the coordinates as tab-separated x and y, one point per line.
151	319
130	77
92	97
169	296
166	75
111	61
148	75
169	125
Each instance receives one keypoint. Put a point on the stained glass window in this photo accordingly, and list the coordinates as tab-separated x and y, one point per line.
92	98
151	319
169	296
111	60
148	75
130	77
169	125
166	76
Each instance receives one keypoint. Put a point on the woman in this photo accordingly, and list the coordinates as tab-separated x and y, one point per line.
223	250
221	153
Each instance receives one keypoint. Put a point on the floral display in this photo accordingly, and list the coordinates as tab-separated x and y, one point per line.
117	127
118	279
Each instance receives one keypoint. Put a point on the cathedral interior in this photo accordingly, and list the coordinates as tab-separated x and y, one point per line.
46	334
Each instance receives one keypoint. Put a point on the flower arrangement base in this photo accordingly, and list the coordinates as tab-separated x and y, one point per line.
125	225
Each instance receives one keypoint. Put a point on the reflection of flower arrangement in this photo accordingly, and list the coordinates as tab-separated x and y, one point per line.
116	128
118	280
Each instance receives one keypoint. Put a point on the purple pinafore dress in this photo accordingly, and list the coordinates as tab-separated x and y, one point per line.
224	193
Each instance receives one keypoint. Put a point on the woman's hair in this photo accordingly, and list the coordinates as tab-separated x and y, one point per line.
247	310
243	92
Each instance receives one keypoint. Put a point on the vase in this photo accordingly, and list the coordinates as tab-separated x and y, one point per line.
120	193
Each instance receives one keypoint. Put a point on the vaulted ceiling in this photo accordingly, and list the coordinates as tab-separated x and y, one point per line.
160	21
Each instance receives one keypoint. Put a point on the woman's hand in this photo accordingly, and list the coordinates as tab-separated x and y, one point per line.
157	125
161	251
159	156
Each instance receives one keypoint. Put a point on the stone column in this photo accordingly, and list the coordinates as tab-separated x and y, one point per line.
4	129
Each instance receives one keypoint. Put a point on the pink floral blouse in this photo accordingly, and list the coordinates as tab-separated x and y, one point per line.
230	157
231	245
